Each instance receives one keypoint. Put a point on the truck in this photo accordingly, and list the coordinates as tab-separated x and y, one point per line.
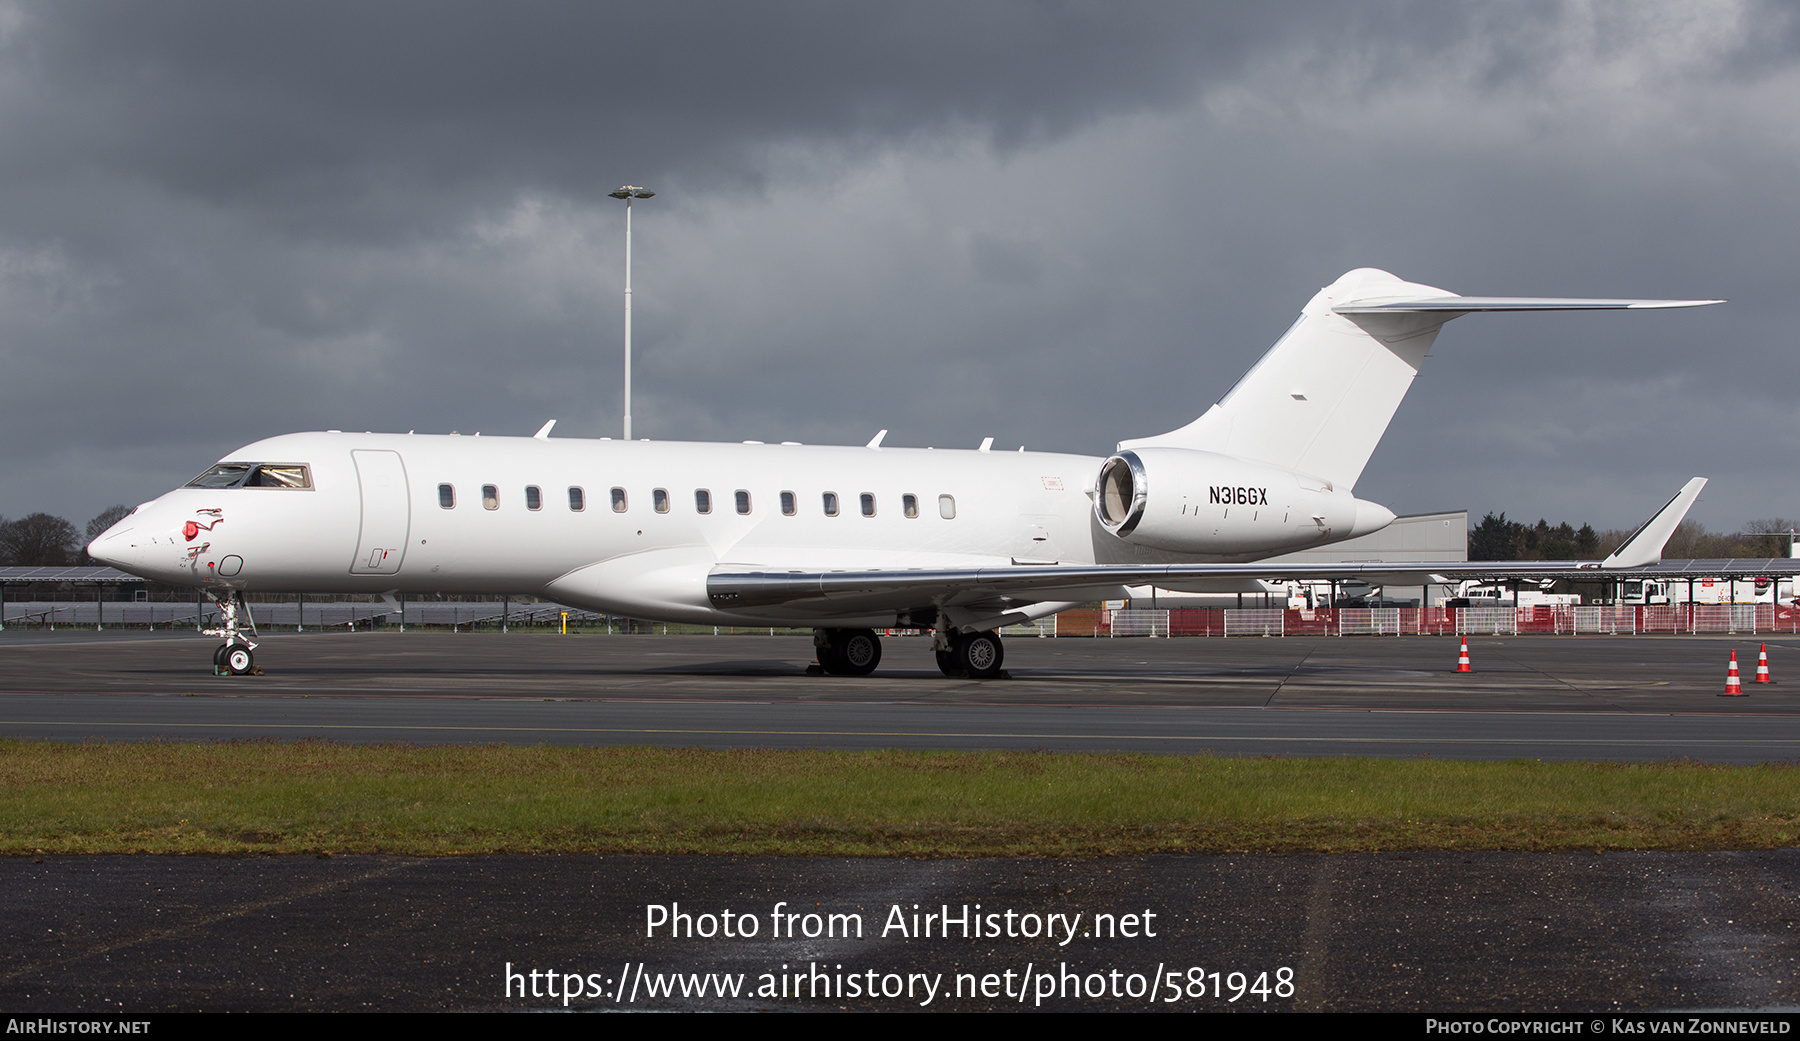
1706	591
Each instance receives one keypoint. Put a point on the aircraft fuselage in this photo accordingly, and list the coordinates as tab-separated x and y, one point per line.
633	527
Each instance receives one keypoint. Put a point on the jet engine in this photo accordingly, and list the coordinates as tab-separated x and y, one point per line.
1190	501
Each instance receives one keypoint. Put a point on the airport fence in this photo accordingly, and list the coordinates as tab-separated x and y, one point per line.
472	616
1535	619
291	614
343	616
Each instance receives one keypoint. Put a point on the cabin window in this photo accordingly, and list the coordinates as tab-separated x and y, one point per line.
947	507
534	498
868	504
447	496
659	498
702	500
743	502
490	497
909	505
577	500
618	500
787	504
830	504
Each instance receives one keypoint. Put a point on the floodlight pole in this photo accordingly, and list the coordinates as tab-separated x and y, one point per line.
627	317
628	192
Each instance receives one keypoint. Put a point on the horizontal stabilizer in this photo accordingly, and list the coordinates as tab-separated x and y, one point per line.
1472	304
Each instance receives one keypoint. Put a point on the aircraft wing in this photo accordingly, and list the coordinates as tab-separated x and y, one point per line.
731	587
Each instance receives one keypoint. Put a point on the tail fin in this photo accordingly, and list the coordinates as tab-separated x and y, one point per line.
1320	399
1645	545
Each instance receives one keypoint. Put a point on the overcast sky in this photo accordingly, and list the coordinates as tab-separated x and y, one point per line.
1061	225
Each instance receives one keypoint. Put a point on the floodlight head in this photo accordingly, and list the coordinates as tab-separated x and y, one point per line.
643	195
620	194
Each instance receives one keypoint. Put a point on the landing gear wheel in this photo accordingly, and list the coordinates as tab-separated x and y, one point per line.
847	652
947	664
828	644
979	654
858	651
239	661
234	655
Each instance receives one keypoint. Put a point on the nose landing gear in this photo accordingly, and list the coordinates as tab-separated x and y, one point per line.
235	656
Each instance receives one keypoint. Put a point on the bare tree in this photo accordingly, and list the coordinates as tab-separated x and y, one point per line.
1774	544
38	540
1692	540
106	519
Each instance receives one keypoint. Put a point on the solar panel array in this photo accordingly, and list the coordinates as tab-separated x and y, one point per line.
78	575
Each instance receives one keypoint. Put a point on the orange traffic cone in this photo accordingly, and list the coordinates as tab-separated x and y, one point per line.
1734	688
1762	665
1462	659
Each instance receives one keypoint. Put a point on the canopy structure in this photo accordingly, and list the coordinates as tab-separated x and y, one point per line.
16	576
81	576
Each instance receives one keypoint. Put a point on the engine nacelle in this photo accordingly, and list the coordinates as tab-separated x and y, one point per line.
1200	502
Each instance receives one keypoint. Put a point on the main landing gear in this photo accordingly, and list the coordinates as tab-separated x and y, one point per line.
847	652
235	656
856	652
975	656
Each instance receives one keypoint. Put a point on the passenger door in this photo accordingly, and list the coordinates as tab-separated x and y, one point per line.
386	513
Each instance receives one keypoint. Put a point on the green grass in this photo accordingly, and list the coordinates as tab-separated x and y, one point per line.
313	797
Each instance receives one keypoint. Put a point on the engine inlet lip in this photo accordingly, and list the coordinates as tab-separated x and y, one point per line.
1139	493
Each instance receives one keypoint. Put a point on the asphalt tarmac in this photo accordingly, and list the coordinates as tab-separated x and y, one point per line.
1464	932
1471	932
1639	698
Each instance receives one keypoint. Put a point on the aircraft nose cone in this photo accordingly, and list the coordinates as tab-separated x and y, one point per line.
114	547
107	551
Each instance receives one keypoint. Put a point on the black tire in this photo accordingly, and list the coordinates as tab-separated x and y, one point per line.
219	655
980	654
239	661
830	650
858	651
947	664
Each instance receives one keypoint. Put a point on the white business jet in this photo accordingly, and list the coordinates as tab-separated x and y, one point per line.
846	540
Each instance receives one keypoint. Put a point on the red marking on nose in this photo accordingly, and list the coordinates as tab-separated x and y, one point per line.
190	529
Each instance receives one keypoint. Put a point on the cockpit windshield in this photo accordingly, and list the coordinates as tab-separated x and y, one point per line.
279	475
225	475
255	475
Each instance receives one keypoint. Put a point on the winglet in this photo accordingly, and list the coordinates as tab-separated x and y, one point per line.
1645	545
875	442
543	433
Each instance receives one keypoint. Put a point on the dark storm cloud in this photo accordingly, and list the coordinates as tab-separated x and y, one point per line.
1057	224
336	107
